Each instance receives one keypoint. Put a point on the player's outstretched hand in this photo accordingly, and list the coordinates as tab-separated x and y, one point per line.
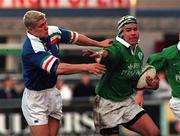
90	53
94	54
96	68
106	43
153	83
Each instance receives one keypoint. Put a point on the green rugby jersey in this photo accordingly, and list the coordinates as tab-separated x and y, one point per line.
123	70
169	61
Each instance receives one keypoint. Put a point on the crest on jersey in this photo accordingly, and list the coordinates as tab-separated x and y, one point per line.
140	55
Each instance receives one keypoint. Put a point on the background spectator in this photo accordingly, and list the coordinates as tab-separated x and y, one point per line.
9	88
84	88
65	90
2	91
19	88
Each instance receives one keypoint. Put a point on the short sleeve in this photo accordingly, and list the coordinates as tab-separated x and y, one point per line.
43	60
158	60
112	53
68	36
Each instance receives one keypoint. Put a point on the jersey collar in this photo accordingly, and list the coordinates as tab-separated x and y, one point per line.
178	45
32	37
123	42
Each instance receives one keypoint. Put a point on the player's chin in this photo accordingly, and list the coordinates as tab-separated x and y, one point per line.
44	36
133	42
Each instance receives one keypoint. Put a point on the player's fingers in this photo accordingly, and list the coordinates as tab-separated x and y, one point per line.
111	41
94	54
100	70
156	84
149	78
86	51
85	54
157	78
100	66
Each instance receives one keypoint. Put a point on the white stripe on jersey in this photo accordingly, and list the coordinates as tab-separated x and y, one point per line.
48	62
74	37
51	64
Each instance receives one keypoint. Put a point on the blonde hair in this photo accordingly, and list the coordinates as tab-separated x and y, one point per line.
32	17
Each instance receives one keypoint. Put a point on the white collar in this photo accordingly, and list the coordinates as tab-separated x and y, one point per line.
126	44
32	37
123	42
178	46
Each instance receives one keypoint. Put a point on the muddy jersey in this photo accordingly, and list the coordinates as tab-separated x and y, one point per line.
123	69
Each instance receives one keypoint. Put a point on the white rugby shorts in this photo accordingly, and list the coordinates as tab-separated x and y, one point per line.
175	106
108	114
37	106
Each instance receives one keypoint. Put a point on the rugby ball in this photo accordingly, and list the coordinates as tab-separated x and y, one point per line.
147	70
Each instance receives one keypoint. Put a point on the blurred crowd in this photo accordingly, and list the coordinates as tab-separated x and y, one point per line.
10	88
83	88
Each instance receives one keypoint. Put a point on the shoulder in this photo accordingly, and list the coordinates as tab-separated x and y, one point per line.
170	51
32	46
171	48
53	29
166	53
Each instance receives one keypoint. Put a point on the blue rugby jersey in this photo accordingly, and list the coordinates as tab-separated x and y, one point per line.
40	55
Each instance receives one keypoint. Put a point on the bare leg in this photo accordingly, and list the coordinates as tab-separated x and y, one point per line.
50	129
54	126
39	130
145	126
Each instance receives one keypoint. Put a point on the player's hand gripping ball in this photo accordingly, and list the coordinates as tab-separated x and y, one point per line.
148	70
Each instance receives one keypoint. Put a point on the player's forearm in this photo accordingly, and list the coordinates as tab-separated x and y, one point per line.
85	41
65	68
140	93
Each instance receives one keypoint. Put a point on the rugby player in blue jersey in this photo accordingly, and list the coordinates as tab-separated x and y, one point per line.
41	102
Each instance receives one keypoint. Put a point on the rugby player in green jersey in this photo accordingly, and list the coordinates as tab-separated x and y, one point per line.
114	104
169	61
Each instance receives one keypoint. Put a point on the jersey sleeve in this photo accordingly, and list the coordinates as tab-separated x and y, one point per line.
158	60
112	53
113	57
43	60
59	35
68	36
